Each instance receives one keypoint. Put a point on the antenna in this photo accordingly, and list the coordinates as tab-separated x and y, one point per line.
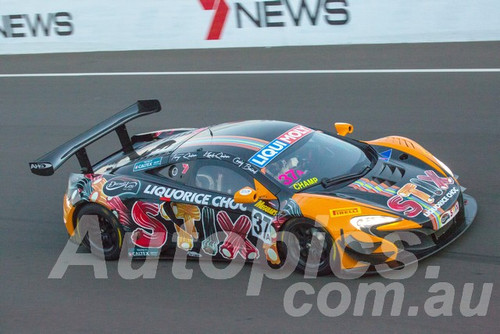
208	126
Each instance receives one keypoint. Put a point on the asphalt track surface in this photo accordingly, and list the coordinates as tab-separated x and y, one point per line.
454	115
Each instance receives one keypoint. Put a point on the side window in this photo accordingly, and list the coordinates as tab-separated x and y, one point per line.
220	179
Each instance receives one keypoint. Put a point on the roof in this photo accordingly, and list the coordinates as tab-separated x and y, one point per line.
241	139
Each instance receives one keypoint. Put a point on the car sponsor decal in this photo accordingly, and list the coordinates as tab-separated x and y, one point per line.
187	233
306	183
121	186
236	241
210	243
147	164
261	226
264	207
447	216
178	195
215	155
143	252
222	156
151	233
183	156
148	222
449	195
412	201
40	165
416	197
245	165
345	211
278	145
290	176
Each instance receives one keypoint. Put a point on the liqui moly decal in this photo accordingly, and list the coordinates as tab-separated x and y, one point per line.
274	148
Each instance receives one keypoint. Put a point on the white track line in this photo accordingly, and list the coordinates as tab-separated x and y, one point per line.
180	73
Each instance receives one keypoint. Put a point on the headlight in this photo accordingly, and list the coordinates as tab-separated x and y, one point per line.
369	221
443	166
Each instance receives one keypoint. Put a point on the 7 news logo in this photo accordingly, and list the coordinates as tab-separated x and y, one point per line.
275	13
221	10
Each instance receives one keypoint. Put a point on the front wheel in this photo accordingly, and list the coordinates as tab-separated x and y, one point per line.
309	245
99	229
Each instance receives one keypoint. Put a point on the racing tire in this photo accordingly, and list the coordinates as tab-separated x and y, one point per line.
312	239
104	225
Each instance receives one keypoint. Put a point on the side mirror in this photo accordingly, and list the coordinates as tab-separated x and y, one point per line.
246	195
249	195
343	128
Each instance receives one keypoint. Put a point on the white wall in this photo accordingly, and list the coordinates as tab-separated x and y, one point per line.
100	25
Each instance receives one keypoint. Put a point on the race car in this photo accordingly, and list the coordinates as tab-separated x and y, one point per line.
263	189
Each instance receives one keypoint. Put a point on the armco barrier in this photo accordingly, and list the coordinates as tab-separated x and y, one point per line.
33	26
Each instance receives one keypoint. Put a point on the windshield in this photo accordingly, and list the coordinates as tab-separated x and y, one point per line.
317	157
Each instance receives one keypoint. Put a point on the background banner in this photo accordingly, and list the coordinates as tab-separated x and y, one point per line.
33	26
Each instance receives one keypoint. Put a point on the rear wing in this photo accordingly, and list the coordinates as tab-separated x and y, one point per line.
47	164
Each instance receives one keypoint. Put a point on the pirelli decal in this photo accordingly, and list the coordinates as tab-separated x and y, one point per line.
345	211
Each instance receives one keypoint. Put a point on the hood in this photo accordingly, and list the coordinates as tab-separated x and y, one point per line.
406	186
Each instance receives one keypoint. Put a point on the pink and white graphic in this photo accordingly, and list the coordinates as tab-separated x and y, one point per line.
236	241
441	182
408	197
290	176
153	233
409	207
123	214
295	134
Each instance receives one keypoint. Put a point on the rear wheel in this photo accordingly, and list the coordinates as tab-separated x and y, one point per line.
99	229
309	245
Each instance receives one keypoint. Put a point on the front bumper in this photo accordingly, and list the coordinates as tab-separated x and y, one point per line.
427	245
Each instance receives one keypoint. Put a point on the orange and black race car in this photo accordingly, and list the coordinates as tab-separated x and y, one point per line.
261	189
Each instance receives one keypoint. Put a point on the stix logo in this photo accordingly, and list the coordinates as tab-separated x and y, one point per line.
275	14
412	201
274	148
